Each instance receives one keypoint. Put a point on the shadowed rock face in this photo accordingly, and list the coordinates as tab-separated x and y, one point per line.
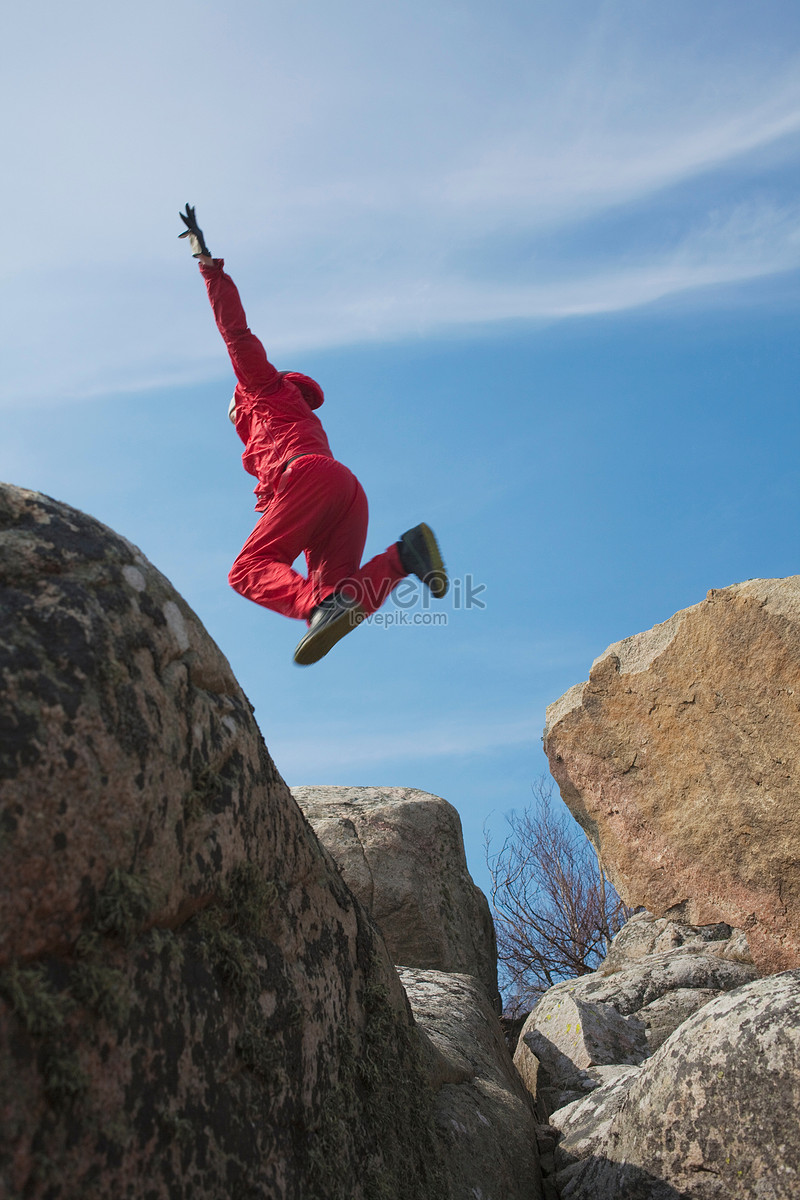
680	757
192	1003
401	852
483	1113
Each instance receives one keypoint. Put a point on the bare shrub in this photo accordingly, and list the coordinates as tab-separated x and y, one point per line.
554	910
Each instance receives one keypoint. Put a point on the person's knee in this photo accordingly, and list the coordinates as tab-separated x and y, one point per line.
239	579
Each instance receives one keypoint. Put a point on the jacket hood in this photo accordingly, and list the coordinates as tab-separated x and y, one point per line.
309	388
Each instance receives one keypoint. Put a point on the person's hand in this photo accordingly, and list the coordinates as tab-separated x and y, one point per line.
195	235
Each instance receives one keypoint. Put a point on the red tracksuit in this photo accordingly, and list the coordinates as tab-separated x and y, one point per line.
313	505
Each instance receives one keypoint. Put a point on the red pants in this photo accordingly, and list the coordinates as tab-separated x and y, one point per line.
319	510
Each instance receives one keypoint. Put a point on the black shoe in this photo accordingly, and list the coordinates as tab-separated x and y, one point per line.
330	621
420	556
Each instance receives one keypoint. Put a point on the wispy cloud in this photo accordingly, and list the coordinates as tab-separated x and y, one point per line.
356	172
302	758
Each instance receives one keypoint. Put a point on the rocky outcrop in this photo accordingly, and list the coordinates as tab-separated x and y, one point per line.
680	758
712	1115
584	1123
401	852
192	1002
120	719
652	1071
483	1113
568	1035
644	935
583	1030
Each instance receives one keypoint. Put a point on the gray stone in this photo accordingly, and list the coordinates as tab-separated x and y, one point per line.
645	980
663	1016
401	852
623	1012
485	1119
581	1022
528	1067
584	1123
644	935
712	1115
567	1035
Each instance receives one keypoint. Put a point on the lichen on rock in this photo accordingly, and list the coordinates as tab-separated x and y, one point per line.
192	1002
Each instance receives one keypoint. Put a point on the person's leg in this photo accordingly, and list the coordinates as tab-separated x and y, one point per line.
373	582
358	594
321	509
345	592
334	556
333	552
311	497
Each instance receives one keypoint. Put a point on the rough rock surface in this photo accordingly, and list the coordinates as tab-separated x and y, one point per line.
650	978
662	1017
568	1034
644	935
401	852
192	1003
712	1115
483	1112
584	1124
621	1013
680	758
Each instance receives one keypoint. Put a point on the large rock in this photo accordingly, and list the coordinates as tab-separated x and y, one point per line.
192	1003
712	1115
662	1017
618	1015
401	852
483	1112
568	1035
650	978
644	935
680	758
584	1124
126	742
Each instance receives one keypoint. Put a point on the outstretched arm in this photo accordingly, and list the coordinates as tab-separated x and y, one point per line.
249	359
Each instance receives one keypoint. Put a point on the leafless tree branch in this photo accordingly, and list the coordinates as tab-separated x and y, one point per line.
554	910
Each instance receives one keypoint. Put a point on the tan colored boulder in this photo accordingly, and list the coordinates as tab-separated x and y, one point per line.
401	852
192	1003
680	757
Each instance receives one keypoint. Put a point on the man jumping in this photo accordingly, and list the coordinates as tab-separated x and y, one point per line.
311	504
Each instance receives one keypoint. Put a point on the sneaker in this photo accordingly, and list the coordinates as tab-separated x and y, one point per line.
330	620
420	556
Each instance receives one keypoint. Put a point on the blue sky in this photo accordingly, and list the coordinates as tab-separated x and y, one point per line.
544	260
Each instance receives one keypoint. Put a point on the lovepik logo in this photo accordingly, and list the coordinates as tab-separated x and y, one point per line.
463	595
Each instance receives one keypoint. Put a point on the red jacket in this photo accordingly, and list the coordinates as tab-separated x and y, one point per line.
274	416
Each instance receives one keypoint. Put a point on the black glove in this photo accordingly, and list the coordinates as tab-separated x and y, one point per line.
193	232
